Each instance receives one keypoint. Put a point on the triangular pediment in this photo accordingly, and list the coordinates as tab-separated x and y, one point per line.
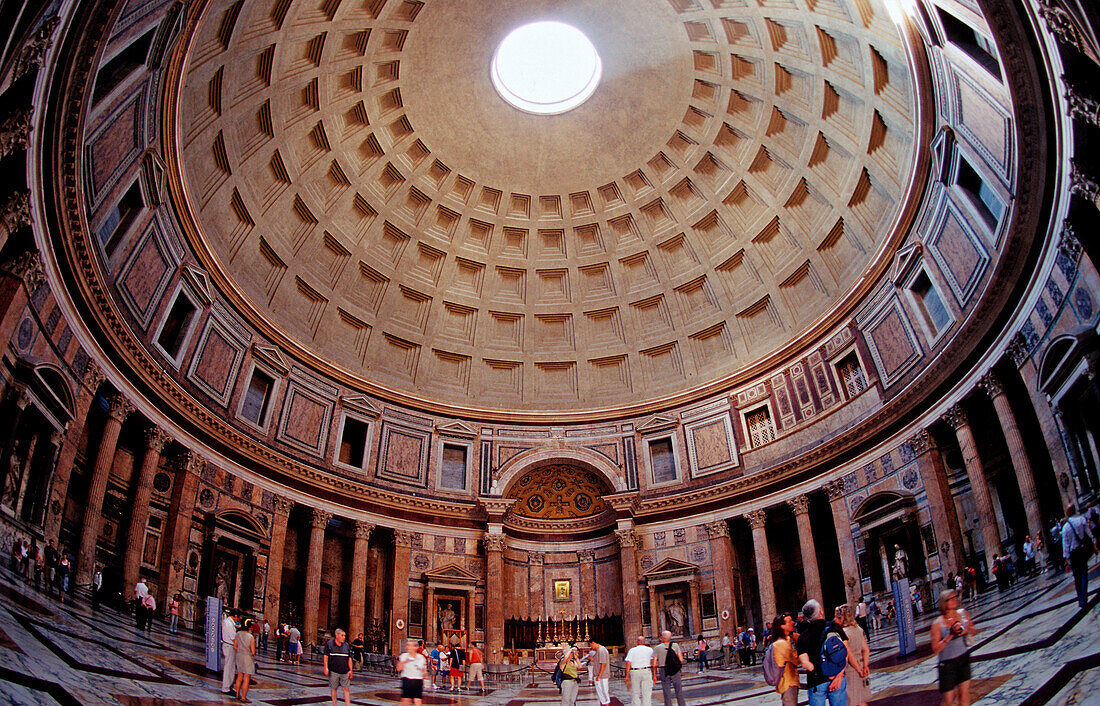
657	422
671	567
273	357
456	429
904	261
360	404
451	573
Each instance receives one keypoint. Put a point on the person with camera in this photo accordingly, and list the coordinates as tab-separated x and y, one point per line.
949	633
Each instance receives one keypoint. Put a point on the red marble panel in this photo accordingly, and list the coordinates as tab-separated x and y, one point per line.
216	361
145	274
892	341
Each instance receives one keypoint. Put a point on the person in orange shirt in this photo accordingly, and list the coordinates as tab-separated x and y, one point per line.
785	657
477	666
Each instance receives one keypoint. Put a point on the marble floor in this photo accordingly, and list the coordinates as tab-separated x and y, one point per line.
1035	647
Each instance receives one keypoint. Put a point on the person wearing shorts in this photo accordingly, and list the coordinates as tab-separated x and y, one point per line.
458	659
294	645
477	666
337	660
411	666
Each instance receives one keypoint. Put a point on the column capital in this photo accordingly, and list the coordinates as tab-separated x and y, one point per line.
586	556
363	529
717	529
195	464
956	417
281	505
627	538
57	437
120	408
320	518
834	489
93	376
495	542
991	385
26	266
757	518
402	539
800	504
20	397
1069	245
535	558
1018	349
156	438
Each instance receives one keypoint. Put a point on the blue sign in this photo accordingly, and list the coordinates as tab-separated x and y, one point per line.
903	609
213	634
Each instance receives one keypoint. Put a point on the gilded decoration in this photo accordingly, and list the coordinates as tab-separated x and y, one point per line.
558	492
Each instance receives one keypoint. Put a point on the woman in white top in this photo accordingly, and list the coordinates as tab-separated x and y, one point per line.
411	666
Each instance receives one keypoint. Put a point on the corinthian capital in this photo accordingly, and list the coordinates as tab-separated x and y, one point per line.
717	529
120	408
922	442
834	489
757	518
26	266
586	556
800	504
320	518
93	376
495	542
991	385
402	539
956	416
363	529
281	505
156	438
627	538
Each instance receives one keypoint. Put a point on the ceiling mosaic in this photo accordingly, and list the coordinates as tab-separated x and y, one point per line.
559	492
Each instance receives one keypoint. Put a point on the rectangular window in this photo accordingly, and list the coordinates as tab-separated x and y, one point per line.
452	474
256	397
851	374
761	429
975	44
176	326
353	443
931	303
122	65
980	194
663	460
120	217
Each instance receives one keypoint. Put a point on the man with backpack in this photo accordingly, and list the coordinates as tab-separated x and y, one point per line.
823	652
1078	548
670	659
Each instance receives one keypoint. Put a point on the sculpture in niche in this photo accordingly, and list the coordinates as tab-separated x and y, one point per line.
447	616
677	616
901	563
222	580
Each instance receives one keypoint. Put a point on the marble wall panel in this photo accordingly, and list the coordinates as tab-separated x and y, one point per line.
404	455
145	276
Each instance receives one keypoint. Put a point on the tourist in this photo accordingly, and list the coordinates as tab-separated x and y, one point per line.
784	656
858	670
641	672
38	556
141	590
264	635
949	633
244	651
63	567
477	667
280	641
669	659
148	607
1078	548
752	647
1056	543
52	559
357	649
1028	549
891	614
25	559
457	658
229	652
743	642
569	667
97	586
701	652
434	663
412	666
336	656
173	614
822	689
601	665
294	645
861	615
876	614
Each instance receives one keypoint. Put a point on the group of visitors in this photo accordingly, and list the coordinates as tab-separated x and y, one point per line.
44	566
145	606
446	664
288	644
239	639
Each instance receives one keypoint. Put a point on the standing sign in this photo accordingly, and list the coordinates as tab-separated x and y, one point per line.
903	607
213	633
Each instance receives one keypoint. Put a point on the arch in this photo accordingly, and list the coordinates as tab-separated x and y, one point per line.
53	380
1056	361
515	467
884	502
242	522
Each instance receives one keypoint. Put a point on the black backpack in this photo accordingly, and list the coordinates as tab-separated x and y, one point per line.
672	662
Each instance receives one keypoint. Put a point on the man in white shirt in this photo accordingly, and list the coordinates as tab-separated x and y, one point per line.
726	642
229	654
641	673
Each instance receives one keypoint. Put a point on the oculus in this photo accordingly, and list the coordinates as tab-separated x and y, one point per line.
545	68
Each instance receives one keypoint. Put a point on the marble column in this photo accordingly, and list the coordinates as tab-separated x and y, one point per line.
654	612
849	564
59	487
536	585
721	554
494	597
274	589
155	440
587	559
632	605
399	599
313	574
757	519
801	507
177	533
431	617
89	533
987	520
378	586
696	607
941	503
1048	425
357	620
1025	475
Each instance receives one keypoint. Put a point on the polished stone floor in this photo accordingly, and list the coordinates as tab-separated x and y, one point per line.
1035	648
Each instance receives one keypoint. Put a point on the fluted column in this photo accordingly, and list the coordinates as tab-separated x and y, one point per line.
632	606
1025	475
176	536
587	559
849	565
59	486
494	597
274	589
721	553
357	618
93	507
941	504
313	573
399	599
155	440
757	519
801	507
991	540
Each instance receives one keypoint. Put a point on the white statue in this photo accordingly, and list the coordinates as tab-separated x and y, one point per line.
447	617
901	563
676	617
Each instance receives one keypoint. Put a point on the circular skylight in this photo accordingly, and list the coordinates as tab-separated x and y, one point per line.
546	68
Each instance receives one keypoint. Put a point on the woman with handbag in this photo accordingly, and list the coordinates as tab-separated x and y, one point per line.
569	667
949	633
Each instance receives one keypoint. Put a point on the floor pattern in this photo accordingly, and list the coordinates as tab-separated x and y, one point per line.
1035	647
